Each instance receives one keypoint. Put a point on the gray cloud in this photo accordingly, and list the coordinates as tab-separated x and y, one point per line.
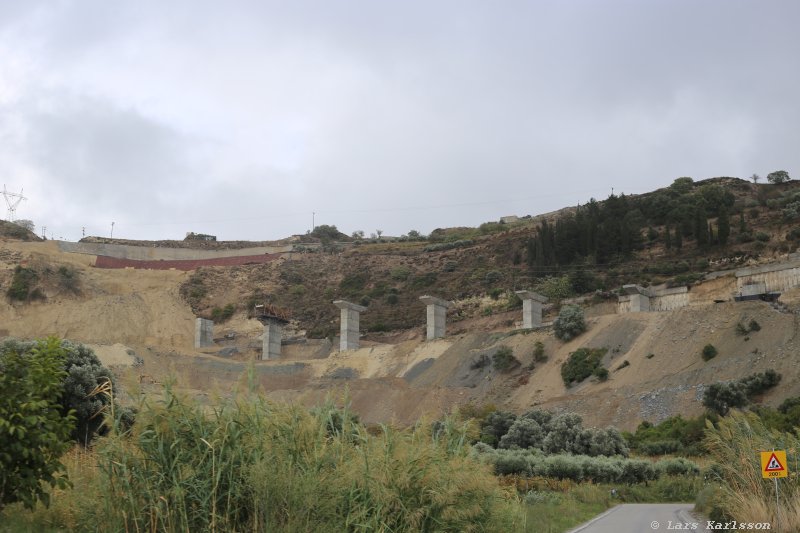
244	118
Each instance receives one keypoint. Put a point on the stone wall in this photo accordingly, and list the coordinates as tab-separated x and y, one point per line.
641	299
144	253
778	278
669	299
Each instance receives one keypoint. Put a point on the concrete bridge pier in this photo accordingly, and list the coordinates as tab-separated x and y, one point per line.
639	298
203	333
349	326
271	344
437	314
531	308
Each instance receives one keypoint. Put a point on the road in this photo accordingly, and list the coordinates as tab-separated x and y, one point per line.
644	518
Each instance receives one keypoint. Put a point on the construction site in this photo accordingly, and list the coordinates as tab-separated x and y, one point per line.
157	313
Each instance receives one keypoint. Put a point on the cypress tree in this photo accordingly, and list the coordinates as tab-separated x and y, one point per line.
723	226
701	226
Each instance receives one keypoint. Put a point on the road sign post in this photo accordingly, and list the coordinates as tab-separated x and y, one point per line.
774	466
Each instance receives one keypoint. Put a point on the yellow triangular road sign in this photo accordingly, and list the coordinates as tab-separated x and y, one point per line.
773	464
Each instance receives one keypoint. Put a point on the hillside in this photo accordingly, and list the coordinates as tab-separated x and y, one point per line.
142	321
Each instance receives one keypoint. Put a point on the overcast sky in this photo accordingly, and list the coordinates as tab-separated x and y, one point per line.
241	119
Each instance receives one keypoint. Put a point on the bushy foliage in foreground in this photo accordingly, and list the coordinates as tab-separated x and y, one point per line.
253	466
86	387
33	432
581	467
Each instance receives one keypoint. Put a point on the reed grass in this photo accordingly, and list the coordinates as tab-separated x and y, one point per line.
250	465
743	494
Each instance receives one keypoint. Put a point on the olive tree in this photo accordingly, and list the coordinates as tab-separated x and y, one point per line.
570	323
779	176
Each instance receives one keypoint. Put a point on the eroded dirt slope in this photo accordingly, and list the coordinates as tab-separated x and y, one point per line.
141	326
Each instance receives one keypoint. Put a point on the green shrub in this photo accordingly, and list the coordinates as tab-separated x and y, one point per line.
193	290
87	388
492	277
504	360
673	435
709	352
532	463
538	352
353	284
497	424
68	279
570	323
581	364
721	397
378	291
564	433
762	237
600	373
423	280
400	273
661	447
754	326
33	431
555	287
677	466
23	283
741	329
392	299
221	314
760	382
524	433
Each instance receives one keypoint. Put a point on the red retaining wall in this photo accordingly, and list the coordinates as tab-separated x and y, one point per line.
103	261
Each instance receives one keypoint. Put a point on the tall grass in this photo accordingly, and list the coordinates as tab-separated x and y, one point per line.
743	494
249	465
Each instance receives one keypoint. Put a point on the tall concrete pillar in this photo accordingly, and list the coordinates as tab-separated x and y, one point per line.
437	314
348	330
639	298
531	308
203	333
271	345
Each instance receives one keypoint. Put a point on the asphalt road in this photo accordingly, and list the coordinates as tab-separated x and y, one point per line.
644	518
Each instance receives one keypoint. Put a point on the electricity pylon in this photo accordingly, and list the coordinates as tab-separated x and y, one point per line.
12	201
